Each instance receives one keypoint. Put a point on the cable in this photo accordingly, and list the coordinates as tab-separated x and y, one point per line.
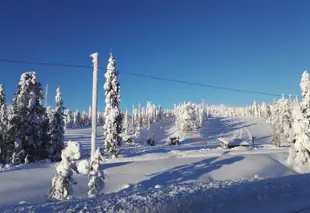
146	76
199	84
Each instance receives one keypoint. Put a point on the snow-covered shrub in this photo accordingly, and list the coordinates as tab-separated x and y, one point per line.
63	181
96	176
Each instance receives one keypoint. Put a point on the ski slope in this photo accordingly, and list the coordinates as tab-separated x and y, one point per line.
163	168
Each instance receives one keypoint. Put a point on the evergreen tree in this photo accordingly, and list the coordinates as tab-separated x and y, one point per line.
69	118
29	122
4	148
112	126
126	123
84	119
77	119
299	155
56	129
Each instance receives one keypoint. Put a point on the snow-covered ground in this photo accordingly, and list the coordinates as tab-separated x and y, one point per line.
194	177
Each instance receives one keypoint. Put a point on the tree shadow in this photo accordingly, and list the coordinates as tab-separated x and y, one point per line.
111	165
27	166
187	173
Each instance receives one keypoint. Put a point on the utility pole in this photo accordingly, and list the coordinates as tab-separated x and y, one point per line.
46	94
94	56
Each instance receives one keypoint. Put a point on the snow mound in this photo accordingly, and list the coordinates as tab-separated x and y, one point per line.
254	195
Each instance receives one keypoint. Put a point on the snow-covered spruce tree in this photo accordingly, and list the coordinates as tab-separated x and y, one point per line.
84	119
126	123
300	148
77	119
68	118
286	121
63	181
4	146
57	129
96	176
100	118
28	131
112	126
276	121
299	155
186	119
305	93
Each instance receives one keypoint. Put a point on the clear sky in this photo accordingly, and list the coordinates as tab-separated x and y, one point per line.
253	45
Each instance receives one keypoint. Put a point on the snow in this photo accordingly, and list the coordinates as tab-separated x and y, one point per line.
83	167
192	177
252	195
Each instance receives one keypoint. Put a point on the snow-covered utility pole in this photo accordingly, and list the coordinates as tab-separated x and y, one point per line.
94	56
46	94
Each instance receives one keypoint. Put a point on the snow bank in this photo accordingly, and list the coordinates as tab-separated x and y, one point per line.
254	195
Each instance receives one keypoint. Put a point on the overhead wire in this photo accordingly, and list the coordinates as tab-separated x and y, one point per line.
146	76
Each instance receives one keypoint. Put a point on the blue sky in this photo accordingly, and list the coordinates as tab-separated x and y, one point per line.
253	45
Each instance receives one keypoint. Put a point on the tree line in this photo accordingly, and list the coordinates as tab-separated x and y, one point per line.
27	132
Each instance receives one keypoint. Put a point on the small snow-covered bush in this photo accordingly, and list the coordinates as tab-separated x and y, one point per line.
96	176
63	181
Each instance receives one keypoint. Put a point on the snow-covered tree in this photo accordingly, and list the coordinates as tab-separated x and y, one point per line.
265	112
305	93
85	119
62	183
56	129
77	119
299	155
29	123
100	118
112	126
96	176
126	123
299	152
186	118
4	146
69	119
276	122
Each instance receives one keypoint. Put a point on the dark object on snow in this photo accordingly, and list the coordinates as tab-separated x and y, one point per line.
130	141
253	140
175	141
151	142
236	142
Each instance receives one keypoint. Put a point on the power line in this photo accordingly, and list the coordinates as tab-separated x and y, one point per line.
145	76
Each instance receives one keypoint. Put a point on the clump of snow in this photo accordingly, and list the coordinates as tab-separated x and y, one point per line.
157	186
126	186
83	167
22	202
